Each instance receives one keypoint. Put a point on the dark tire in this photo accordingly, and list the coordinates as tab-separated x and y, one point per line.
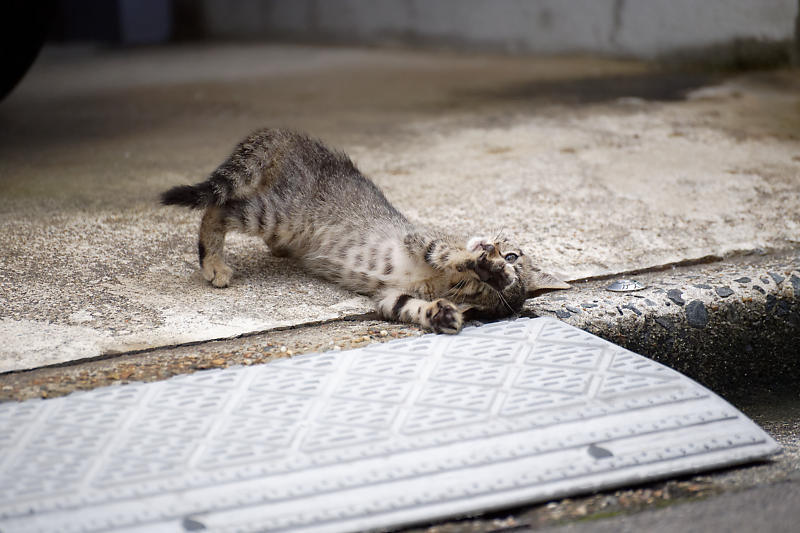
23	29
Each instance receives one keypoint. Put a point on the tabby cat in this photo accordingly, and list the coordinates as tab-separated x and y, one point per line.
312	204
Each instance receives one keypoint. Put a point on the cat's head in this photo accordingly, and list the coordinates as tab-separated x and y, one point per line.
509	276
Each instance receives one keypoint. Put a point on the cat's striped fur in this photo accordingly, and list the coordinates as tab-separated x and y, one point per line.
312	204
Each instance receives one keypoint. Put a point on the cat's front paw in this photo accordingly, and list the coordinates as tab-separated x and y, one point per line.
488	264
444	317
491	269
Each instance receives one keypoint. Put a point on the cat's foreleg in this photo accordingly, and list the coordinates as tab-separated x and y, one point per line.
210	248
440	316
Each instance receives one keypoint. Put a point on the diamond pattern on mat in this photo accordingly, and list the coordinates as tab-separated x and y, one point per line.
177	395
517	330
27	488
433	419
65	437
226	379
521	401
375	363
221	454
378	389
572	355
472	397
556	331
469	371
59	464
554	379
322	436
171	422
131	394
155	446
274	405
270	432
426	345
289	380
624	361
117	470
625	383
358	413
88	413
487	349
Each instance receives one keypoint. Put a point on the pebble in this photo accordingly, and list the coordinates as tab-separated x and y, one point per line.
744	279
588	306
384	333
649	302
664	322
696	314
723	292
759	289
703	286
676	295
572	309
795	285
283	349
771	301
562	314
776	277
632	308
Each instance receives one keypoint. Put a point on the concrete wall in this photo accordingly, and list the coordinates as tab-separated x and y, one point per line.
642	28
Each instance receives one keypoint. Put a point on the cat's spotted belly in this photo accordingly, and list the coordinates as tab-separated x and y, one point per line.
372	268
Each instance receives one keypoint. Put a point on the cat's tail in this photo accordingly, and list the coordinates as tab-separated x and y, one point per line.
195	196
236	178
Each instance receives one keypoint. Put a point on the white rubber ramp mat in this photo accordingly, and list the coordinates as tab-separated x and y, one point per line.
379	437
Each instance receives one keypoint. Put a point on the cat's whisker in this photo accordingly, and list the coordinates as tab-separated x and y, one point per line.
456	292
500	294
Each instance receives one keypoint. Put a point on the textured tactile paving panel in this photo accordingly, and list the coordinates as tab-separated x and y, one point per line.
387	435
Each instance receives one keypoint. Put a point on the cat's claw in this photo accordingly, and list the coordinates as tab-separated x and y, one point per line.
444	317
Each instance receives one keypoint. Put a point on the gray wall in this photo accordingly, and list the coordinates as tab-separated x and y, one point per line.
641	28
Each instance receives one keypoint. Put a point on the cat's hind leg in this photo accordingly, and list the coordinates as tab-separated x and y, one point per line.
440	316
210	246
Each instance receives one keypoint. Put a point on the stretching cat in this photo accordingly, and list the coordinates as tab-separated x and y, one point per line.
313	204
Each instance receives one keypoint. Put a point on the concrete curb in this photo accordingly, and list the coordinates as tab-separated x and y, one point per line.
734	326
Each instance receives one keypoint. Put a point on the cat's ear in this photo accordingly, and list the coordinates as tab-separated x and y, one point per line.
537	281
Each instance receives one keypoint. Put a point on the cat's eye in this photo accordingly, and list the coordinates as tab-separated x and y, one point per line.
511	257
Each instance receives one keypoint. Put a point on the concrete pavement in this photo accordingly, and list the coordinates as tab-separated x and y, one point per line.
597	167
